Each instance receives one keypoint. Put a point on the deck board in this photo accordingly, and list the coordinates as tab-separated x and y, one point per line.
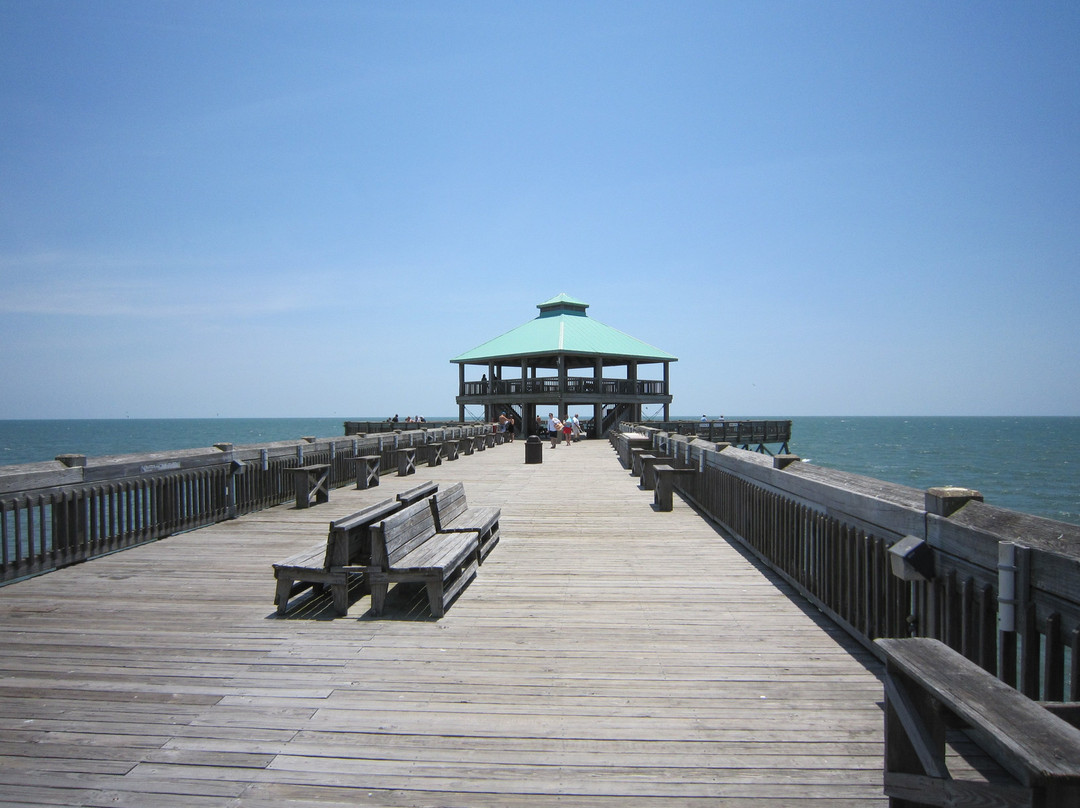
606	654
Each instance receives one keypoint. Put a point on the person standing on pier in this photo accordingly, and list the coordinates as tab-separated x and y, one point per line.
554	428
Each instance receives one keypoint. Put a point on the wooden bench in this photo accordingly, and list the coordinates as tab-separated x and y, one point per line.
479	443
434	454
450	449
328	565
406	460
635	459
418	492
649	462
367	471
929	689
663	494
311	483
453	515
406	547
466	446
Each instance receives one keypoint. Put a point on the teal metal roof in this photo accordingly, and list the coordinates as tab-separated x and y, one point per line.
562	327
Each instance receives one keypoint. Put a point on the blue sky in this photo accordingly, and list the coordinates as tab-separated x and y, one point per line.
283	209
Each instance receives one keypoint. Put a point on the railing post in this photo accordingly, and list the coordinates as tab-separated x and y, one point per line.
235	468
69	519
782	461
947	500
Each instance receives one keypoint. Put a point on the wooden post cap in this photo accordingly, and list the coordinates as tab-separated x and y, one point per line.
225	447
782	461
948	499
72	460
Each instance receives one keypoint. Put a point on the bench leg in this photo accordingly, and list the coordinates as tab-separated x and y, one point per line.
662	494
281	597
435	597
378	596
340	594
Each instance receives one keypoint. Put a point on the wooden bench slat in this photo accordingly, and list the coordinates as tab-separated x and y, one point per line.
439	556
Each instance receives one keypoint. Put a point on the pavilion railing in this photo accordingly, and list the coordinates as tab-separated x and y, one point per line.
998	586
61	512
575	385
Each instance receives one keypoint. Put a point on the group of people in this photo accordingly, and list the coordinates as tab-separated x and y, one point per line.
410	419
569	430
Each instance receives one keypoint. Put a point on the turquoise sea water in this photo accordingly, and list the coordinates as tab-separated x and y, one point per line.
1027	464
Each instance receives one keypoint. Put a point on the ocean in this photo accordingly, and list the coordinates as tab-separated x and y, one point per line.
1027	464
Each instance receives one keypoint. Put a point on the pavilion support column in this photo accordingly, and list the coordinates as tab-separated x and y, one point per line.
461	391
563	411
598	419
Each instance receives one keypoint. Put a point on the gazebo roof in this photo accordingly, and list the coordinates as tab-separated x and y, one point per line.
563	327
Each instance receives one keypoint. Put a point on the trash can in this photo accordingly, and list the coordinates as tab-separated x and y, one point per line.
534	450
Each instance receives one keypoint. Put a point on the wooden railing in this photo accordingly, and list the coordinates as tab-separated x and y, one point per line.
377	427
737	433
575	385
1000	587
61	512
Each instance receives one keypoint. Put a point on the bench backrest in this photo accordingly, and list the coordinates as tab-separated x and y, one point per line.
401	533
448	504
417	493
350	537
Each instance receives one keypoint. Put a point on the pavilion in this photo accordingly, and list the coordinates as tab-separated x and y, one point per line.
563	361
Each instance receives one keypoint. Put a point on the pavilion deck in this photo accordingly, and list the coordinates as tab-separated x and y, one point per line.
606	655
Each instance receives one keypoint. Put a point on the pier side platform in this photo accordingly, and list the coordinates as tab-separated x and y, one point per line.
606	654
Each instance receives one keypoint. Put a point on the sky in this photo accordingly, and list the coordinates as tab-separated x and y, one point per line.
281	209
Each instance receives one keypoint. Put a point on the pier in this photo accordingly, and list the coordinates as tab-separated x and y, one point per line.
609	651
606	654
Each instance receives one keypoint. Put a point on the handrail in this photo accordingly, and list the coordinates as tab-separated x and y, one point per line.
575	385
735	432
61	512
831	535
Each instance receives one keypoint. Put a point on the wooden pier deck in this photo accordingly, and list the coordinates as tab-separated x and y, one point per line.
605	655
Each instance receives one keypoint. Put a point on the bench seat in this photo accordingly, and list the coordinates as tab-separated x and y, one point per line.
664	484
448	552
